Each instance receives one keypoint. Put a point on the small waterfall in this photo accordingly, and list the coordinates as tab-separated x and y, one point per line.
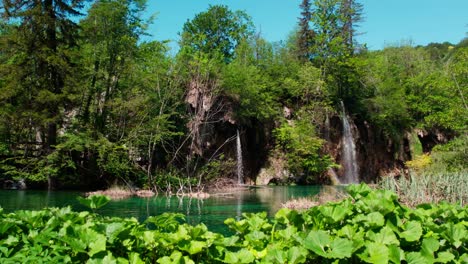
348	151
240	166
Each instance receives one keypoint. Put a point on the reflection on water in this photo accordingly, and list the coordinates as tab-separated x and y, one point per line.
212	211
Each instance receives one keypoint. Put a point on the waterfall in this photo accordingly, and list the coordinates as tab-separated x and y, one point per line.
348	152
240	166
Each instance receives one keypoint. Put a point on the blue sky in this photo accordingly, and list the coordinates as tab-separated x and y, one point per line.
386	22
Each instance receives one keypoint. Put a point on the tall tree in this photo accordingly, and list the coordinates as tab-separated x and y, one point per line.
305	35
111	31
334	22
43	35
351	15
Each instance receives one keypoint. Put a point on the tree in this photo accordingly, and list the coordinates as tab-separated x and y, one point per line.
334	23
305	35
42	38
216	31
111	31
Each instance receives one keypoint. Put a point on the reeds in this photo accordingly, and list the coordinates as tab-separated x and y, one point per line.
429	187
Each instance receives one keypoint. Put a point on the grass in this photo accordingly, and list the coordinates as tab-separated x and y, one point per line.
426	187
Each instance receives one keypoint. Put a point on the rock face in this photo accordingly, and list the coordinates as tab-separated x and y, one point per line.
375	152
379	155
213	128
433	137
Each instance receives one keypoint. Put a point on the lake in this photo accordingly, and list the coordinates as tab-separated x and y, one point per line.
212	211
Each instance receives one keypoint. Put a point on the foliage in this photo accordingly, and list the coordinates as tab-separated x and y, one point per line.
439	176
249	85
452	156
419	162
94	202
216	31
303	149
371	226
86	103
411	90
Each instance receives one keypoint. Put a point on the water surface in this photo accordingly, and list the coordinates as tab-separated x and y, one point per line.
212	211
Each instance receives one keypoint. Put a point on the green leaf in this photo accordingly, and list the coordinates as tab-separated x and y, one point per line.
413	231
94	202
375	219
445	257
296	255
375	253
386	236
241	256
335	212
135	259
395	253
4	226
456	233
276	255
415	258
428	247
317	241
113	230
98	245
341	248
196	247
175	258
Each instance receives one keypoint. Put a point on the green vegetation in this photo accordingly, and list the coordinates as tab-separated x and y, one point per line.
86	103
370	226
441	176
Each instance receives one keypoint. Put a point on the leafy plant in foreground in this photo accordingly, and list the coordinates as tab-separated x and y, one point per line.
370	226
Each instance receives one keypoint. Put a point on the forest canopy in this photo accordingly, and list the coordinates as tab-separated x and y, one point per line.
85	102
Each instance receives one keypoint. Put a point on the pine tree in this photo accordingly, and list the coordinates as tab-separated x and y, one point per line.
306	35
351	12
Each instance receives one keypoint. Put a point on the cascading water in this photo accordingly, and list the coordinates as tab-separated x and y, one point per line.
240	166
348	151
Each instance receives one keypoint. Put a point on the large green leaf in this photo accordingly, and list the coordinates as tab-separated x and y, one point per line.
374	219
456	234
395	253
375	253
386	236
241	256
446	257
341	248
318	241
196	247
416	258
412	231
5	225
428	247
321	244
296	255
98	245
94	202
335	213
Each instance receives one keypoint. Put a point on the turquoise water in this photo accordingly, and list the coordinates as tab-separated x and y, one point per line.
212	211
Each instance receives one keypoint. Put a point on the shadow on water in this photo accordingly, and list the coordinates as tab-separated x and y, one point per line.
212	211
